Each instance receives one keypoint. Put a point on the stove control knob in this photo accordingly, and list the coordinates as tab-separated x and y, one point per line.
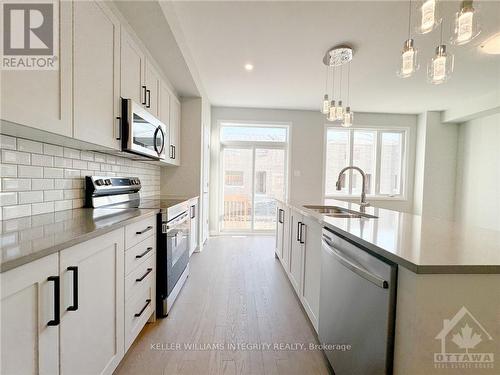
137	181
99	182
108	182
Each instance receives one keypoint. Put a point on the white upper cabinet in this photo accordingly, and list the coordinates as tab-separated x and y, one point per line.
96	73
92	305
164	105
152	81
175	131
132	70
42	99
29	318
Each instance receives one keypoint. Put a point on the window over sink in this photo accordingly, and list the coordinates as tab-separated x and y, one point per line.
380	153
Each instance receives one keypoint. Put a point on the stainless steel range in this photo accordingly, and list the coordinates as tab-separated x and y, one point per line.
173	229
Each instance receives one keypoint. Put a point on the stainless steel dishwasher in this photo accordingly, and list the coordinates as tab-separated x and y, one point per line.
357	308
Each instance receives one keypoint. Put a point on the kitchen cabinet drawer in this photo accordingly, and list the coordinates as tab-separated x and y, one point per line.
139	253
137	312
142	275
137	232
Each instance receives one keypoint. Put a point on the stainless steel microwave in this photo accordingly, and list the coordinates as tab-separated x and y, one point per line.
142	133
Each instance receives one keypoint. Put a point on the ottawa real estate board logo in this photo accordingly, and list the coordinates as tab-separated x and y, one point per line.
465	343
30	35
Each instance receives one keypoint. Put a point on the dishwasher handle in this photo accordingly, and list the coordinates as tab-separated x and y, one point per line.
329	246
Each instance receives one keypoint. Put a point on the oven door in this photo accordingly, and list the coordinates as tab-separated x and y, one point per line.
143	134
177	248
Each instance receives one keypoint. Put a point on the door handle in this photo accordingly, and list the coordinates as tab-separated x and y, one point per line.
74	307
144	253
57	303
149	99
174	152
148	301
327	245
144	95
144	230
281	214
144	276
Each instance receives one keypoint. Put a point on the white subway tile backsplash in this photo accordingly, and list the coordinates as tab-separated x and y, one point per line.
40	178
30	197
53	150
15	157
71	153
7	142
53	172
42	184
12	212
53	195
8	170
16	184
42	208
8	199
63	184
42	160
29	146
29	171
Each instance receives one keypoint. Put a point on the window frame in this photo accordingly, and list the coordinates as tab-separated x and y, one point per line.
404	131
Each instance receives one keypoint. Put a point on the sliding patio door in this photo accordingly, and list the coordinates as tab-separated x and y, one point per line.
253	175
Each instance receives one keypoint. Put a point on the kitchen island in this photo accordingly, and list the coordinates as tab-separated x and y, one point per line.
448	279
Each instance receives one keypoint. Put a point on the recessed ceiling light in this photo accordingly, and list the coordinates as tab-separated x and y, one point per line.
491	46
249	67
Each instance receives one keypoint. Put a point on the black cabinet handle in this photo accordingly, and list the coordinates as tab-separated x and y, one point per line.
298	231
144	253
144	95
149	98
144	230
144	276
193	211
302	225
57	288
280	217
74	307
148	301
175	153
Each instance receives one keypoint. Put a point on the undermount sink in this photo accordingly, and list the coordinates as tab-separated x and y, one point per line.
335	211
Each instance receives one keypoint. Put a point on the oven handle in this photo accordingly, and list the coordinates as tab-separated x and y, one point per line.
179	220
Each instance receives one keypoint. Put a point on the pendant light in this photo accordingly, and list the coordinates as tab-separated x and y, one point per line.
429	17
348	115
441	65
409	64
326	102
466	26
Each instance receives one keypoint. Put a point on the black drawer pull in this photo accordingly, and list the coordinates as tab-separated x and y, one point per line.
74	307
144	230
144	95
149	99
144	253
148	301
144	276
56	320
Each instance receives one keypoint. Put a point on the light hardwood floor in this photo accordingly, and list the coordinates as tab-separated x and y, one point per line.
237	292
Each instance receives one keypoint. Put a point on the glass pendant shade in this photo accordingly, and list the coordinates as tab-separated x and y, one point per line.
339	112
440	66
331	113
429	17
348	118
409	63
466	26
326	105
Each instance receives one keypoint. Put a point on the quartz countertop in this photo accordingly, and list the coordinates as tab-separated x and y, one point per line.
26	239
423	245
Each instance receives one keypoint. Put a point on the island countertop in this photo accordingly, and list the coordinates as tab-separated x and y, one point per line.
423	245
26	239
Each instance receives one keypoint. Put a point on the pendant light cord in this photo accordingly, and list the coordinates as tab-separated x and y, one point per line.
340	90
409	20
326	83
333	83
348	84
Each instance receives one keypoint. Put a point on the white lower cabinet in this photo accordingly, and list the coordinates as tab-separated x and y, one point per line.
312	269
298	246
29	345
194	220
92	302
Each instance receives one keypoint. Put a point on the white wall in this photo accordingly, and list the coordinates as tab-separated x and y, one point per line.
435	166
306	150
478	172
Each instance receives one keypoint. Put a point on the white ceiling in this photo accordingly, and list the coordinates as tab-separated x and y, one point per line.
286	42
